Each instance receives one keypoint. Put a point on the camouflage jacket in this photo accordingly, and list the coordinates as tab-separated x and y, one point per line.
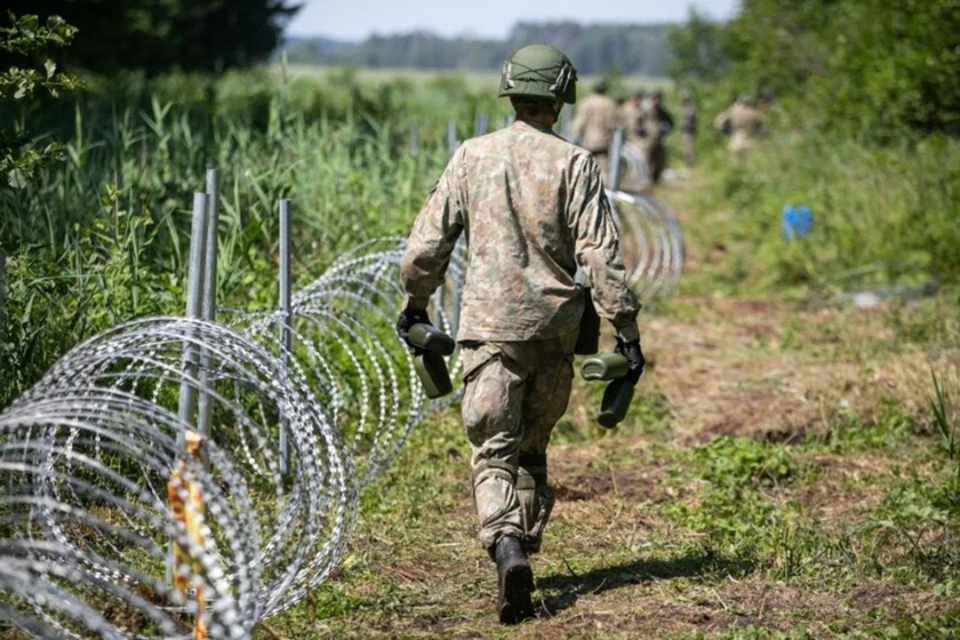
533	209
630	119
594	123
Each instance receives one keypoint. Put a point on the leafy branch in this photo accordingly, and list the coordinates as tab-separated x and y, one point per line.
20	159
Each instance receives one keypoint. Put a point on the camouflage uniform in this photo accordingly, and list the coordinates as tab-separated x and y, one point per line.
593	126
534	209
744	124
656	123
631	114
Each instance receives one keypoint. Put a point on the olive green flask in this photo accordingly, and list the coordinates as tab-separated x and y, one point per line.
618	394
430	366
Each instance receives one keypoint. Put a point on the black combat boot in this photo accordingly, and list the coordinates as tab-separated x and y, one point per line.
514	581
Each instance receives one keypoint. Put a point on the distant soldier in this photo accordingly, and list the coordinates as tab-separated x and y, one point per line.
535	212
631	115
742	122
594	124
688	125
657	125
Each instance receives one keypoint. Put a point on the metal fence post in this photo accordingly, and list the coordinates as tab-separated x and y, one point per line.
480	123
286	338
191	355
414	138
452	142
616	148
208	309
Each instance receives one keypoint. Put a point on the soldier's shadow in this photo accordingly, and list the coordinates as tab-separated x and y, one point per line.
572	585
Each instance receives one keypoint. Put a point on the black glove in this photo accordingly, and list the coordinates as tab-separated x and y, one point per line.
634	355
408	318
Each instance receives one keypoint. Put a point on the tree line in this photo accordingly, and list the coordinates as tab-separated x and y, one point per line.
633	49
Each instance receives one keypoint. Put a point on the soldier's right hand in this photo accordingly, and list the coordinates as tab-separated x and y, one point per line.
635	360
408	318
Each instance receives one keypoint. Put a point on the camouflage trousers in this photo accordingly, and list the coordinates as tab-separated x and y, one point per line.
514	393
656	157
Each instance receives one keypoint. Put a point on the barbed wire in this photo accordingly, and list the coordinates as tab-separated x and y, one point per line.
119	520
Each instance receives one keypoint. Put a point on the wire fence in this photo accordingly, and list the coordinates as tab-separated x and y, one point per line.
190	476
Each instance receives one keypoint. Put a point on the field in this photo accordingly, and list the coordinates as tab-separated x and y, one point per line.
476	80
791	468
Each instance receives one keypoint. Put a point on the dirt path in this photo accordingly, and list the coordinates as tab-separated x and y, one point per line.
650	538
809	517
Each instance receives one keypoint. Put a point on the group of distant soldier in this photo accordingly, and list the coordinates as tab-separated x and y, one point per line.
646	123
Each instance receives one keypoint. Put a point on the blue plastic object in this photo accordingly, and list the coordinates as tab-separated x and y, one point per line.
796	221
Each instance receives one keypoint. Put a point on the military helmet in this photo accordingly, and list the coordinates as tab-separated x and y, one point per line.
539	72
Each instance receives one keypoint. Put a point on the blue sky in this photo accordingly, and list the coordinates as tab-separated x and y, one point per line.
356	19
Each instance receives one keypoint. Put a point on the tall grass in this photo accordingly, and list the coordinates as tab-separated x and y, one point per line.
102	238
897	207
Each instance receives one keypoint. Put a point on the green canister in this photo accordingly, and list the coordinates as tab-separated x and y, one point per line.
430	366
618	394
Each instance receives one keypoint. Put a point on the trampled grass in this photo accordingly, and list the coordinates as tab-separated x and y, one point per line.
738	501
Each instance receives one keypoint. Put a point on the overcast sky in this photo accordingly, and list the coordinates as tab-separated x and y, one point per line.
356	19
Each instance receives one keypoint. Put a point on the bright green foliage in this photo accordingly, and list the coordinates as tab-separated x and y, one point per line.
870	67
736	462
19	86
697	49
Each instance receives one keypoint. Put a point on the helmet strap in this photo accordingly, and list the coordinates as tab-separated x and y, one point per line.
560	85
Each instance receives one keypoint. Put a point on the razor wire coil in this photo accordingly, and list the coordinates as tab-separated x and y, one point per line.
92	457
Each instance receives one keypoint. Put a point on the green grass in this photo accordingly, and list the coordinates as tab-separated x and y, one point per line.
881	217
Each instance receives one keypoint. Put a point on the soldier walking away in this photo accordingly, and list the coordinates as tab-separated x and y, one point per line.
594	124
688	126
535	211
742	122
657	125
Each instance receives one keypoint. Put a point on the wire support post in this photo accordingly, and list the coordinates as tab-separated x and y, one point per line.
616	148
208	310
481	123
452	141
195	277
286	337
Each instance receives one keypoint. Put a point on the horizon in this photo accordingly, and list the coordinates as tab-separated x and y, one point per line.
470	36
387	18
